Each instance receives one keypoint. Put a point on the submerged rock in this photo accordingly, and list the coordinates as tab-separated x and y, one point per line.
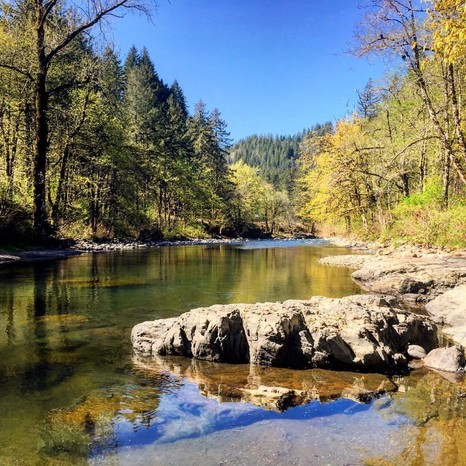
363	332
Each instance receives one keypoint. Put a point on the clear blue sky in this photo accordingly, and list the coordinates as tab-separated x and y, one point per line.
269	66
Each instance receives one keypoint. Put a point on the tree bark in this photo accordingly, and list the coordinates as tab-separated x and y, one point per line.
41	224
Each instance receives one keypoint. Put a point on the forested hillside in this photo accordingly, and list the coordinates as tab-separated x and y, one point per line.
97	145
396	169
276	157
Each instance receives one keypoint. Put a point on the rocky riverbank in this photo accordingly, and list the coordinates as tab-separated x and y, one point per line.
91	246
44	254
85	246
429	279
367	333
81	247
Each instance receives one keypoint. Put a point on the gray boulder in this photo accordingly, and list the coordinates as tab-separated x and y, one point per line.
416	352
360	332
449	309
212	334
446	359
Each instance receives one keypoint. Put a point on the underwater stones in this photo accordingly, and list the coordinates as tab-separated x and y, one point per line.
360	332
273	388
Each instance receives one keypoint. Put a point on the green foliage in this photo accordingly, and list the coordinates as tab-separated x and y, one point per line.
257	201
184	232
430	226
431	196
420	219
125	158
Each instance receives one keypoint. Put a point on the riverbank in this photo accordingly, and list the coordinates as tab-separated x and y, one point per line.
414	274
81	247
40	254
84	246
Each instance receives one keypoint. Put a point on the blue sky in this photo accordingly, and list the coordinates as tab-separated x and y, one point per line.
269	66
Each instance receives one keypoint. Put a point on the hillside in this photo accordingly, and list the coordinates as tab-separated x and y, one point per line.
275	156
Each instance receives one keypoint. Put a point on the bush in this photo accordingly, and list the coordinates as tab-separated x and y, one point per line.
420	219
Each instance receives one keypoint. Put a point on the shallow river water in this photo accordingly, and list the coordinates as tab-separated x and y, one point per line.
72	393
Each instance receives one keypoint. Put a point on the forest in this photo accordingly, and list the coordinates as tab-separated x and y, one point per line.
276	157
396	168
94	145
98	147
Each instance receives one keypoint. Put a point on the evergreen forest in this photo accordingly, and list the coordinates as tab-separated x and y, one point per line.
276	157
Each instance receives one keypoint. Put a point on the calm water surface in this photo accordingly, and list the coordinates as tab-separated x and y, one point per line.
72	393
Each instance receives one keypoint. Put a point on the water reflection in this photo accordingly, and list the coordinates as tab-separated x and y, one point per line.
276	389
179	410
437	405
200	421
68	384
202	399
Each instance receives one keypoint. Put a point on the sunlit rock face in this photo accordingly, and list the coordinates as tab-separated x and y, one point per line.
358	332
449	309
446	359
416	278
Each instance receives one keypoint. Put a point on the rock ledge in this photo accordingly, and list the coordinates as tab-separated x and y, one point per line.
368	333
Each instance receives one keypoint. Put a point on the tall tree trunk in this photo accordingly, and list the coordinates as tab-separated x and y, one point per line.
57	205
41	224
405	183
446	180
422	166
443	136
456	112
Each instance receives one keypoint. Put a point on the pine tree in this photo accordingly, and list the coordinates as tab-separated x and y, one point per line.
368	99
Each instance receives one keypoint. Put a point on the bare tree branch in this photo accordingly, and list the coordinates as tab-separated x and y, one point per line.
106	11
16	70
47	10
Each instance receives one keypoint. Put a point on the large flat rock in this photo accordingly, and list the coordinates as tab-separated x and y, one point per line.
415	279
368	333
410	273
434	280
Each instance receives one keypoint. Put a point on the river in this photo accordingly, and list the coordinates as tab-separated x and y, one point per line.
71	391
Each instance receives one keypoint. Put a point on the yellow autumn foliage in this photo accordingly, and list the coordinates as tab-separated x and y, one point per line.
335	188
449	19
